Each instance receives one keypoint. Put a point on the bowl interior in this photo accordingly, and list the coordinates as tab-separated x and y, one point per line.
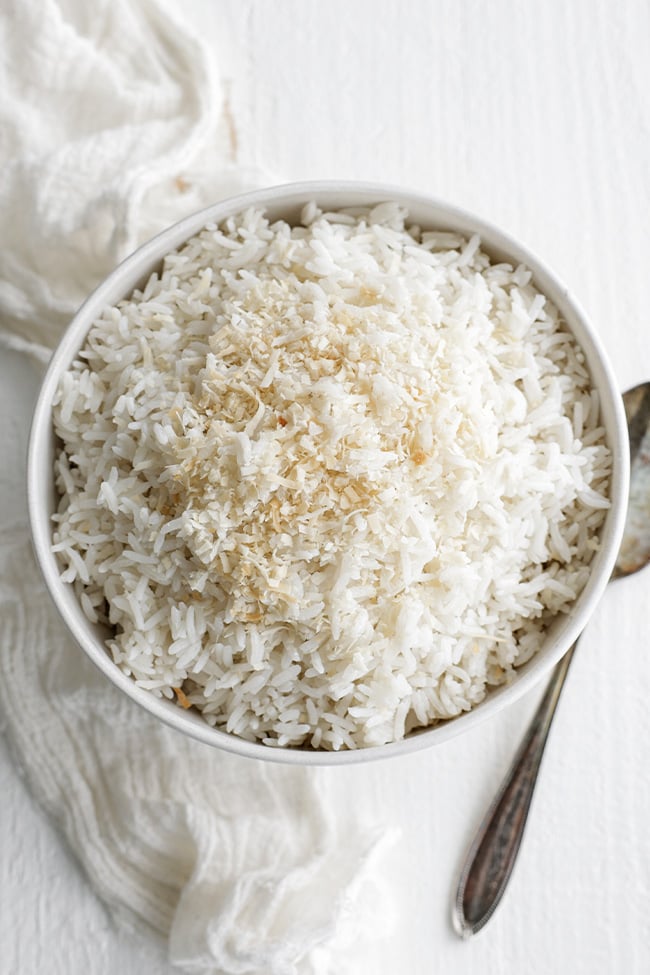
286	202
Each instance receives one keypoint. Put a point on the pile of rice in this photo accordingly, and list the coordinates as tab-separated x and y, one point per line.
327	483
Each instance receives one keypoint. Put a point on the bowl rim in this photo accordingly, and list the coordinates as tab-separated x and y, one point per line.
138	265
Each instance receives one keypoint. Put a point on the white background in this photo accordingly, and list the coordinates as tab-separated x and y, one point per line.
537	117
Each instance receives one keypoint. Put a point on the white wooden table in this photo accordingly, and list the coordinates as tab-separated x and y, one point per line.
537	117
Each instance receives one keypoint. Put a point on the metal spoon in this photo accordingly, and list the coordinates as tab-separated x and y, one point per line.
492	855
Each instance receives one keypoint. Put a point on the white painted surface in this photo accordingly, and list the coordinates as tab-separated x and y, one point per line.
538	118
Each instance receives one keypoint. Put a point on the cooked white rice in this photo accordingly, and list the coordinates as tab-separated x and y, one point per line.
327	483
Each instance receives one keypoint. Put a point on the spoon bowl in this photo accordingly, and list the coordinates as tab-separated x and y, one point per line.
634	552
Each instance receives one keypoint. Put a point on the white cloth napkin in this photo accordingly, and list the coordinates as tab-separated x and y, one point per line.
111	129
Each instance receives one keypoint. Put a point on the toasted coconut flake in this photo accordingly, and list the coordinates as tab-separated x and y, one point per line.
182	698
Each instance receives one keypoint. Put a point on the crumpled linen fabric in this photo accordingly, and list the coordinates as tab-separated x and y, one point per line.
111	129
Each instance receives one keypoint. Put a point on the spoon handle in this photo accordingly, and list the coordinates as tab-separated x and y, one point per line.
492	855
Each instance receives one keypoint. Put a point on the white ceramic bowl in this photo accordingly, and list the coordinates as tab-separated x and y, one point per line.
286	202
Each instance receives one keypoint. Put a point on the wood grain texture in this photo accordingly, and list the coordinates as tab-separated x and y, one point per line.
536	116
